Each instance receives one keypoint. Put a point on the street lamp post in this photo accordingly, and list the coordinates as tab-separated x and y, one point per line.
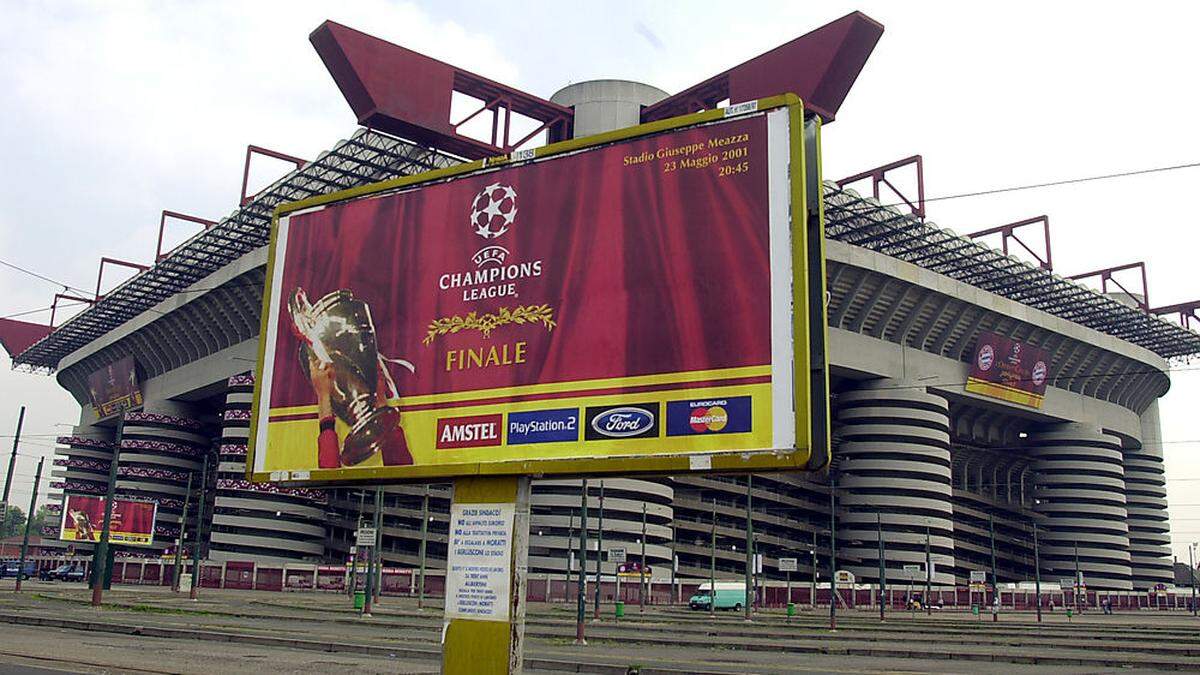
882	567
832	552
928	571
1192	569
995	582
423	549
712	564
581	590
749	547
642	571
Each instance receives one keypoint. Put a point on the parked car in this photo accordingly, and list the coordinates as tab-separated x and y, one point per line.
10	568
67	572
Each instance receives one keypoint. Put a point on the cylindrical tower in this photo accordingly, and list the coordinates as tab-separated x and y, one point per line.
1080	492
1146	501
160	447
259	522
895	466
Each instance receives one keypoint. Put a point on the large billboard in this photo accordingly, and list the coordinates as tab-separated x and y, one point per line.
1009	370
594	308
132	522
114	388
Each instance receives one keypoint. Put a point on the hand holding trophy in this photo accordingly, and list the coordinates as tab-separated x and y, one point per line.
341	359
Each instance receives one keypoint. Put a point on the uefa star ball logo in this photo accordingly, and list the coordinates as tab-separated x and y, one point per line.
493	210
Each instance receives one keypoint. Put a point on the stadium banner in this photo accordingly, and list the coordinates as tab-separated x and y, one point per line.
1009	370
132	522
619	304
114	388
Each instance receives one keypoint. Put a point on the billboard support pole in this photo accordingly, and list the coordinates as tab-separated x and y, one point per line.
490	647
187	499
196	545
12	463
100	555
581	591
424	539
37	480
599	554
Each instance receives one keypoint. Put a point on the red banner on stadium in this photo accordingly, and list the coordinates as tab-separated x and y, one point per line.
1010	370
132	521
114	388
559	309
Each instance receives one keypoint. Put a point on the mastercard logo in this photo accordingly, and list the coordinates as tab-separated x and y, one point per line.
714	418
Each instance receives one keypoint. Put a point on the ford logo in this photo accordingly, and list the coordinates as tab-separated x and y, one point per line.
623	422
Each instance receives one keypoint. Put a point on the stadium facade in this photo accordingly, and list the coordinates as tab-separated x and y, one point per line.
931	467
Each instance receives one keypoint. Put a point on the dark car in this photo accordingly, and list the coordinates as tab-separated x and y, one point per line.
9	568
67	572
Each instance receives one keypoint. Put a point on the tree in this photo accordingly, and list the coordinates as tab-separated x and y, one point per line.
42	518
15	523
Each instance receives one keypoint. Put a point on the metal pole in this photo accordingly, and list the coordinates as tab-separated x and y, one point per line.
749	546
369	589
1075	585
570	536
377	549
832	552
12	464
362	498
1037	574
928	570
882	567
187	500
196	545
581	591
995	581
674	566
599	554
100	555
423	548
812	595
712	564
642	572
37	479
1192	567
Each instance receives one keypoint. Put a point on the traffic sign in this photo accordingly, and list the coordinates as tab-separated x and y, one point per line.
616	555
912	571
365	536
788	565
758	563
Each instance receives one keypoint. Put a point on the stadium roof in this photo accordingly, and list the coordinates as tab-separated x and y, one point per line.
863	221
369	156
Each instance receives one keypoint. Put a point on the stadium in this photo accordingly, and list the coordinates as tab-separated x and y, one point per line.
940	470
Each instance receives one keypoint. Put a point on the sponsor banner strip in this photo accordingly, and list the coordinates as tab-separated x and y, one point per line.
1000	391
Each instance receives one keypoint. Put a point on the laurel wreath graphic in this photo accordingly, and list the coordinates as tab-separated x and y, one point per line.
543	314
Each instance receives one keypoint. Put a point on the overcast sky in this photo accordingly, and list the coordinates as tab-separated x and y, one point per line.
113	111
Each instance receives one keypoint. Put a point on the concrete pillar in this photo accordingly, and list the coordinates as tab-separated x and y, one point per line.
1146	501
895	461
1080	491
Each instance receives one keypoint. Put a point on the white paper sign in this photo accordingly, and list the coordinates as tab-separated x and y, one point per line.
616	555
365	536
788	565
479	561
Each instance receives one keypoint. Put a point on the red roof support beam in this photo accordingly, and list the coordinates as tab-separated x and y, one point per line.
1106	277
819	67
64	296
878	177
162	223
407	94
113	261
1187	312
252	150
1008	231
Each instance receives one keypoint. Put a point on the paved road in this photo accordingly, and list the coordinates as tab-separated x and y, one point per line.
400	639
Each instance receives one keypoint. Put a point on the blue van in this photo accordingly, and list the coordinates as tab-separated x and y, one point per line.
729	595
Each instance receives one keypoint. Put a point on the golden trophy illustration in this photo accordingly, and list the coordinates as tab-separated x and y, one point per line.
337	332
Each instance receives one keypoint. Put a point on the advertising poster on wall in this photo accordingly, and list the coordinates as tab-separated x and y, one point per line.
1009	370
629	300
132	522
114	388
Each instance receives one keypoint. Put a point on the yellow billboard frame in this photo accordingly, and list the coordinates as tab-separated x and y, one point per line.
810	383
